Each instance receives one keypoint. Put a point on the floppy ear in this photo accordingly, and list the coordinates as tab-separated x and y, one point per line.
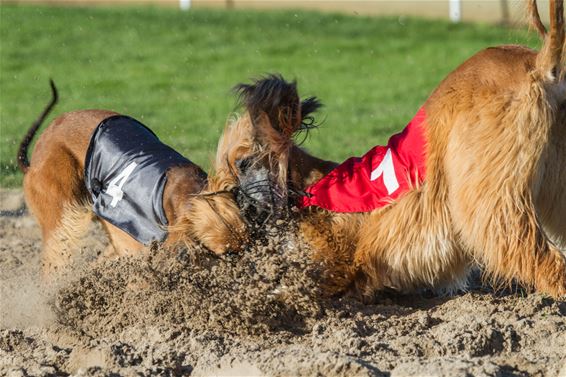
276	98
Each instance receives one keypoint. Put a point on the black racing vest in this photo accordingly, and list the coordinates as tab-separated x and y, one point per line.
125	172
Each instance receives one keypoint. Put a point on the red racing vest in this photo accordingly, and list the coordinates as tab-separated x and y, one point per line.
362	184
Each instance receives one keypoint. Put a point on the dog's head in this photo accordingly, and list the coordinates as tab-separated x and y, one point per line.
256	145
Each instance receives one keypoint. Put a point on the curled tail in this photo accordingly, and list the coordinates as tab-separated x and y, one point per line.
551	59
23	162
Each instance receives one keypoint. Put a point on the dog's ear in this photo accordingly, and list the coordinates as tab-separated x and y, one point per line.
276	98
308	107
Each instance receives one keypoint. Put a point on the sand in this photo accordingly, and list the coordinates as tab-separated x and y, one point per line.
186	312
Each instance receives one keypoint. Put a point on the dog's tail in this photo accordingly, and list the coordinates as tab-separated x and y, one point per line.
23	162
551	59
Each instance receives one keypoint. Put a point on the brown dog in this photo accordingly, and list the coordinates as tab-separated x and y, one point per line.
196	208
495	187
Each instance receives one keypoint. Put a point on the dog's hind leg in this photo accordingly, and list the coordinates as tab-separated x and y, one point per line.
63	241
58	199
550	190
549	184
550	178
493	188
505	237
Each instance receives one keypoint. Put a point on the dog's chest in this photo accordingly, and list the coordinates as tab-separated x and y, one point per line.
125	173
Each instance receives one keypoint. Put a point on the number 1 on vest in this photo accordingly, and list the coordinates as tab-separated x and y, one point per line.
387	169
115	187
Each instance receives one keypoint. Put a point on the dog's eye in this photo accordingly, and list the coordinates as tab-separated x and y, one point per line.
243	164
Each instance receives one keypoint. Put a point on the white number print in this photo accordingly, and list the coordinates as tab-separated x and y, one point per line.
115	187
387	169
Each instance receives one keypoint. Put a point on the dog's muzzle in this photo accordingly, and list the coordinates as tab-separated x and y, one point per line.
259	197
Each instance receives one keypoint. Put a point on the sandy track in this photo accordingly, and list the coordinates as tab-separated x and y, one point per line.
188	313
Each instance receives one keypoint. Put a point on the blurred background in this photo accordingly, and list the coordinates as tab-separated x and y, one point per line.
171	64
500	11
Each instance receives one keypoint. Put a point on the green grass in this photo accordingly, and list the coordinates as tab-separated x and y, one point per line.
173	70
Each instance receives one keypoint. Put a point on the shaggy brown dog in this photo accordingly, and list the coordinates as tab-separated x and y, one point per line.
197	208
495	187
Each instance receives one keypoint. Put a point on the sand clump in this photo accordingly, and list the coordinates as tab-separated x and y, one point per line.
260	312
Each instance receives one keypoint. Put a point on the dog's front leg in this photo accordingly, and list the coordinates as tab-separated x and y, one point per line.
121	243
410	245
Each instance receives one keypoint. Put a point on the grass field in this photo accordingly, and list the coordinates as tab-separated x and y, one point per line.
174	70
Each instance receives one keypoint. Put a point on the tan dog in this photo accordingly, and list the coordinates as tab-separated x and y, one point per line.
495	187
197	208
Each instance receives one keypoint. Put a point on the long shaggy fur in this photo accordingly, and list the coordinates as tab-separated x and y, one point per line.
494	194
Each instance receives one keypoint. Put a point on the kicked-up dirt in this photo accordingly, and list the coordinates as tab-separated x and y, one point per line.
258	313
